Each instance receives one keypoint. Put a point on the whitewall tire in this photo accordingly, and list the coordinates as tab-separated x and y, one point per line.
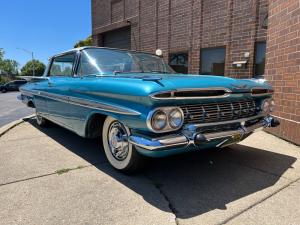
41	121
119	152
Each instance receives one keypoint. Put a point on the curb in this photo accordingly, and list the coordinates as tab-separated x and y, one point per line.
13	124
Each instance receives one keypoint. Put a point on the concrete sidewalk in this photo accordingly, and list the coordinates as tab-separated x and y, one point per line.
52	176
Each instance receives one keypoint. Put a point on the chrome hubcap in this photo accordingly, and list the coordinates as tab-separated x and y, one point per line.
118	141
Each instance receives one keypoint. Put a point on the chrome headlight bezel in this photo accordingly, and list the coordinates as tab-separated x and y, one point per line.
154	120
169	127
171	117
268	105
272	105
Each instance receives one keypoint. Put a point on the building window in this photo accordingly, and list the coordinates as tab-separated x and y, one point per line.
260	58
179	62
212	61
265	22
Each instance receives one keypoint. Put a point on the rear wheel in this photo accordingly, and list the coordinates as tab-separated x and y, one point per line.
41	121
119	152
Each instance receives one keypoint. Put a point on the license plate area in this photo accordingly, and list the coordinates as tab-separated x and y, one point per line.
233	140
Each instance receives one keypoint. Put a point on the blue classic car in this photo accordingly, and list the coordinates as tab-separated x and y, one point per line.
140	107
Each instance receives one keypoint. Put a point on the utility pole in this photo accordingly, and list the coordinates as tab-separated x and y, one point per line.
32	59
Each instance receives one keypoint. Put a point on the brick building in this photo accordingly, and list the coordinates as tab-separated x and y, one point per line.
210	37
283	65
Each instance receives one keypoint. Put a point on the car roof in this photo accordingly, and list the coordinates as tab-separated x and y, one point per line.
95	47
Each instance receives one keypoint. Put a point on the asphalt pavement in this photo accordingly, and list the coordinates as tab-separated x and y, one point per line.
11	108
52	176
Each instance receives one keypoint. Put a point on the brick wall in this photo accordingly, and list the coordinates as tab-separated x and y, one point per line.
189	25
283	65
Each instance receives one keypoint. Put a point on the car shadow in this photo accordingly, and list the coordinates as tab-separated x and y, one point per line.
193	183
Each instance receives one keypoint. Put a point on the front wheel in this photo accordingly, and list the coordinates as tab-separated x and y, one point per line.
3	90
119	152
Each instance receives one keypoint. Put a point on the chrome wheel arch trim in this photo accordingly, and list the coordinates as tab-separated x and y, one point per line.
83	102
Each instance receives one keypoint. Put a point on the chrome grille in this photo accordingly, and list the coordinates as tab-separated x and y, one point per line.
216	112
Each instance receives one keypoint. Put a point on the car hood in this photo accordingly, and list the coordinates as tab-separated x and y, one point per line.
165	82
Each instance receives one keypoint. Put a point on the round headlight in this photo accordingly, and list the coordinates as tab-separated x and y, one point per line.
265	107
272	105
159	120
175	118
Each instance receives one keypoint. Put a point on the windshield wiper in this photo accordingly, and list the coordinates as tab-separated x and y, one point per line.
158	71
120	72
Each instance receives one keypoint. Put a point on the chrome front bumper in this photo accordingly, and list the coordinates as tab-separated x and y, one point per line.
190	136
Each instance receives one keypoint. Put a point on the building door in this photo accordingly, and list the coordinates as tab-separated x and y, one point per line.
120	38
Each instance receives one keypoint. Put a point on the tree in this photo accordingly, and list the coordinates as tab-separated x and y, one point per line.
39	68
86	42
1	54
1	59
8	66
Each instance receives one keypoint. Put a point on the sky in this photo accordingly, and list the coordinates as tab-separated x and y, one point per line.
45	27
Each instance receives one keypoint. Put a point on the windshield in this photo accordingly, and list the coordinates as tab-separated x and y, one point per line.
107	61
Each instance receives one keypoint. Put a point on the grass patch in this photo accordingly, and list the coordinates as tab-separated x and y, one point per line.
62	171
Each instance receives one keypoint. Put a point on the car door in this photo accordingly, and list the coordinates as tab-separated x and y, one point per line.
60	78
11	86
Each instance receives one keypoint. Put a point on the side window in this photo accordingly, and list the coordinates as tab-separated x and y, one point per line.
20	82
62	65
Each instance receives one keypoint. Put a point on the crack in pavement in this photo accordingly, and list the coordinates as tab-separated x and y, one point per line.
30	178
167	199
171	207
57	172
259	202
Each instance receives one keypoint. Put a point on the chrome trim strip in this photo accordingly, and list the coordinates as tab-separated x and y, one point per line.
174	140
86	103
53	96
241	131
102	106
224	122
26	93
227	93
224	134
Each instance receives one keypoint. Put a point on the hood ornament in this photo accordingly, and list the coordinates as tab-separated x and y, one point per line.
239	86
